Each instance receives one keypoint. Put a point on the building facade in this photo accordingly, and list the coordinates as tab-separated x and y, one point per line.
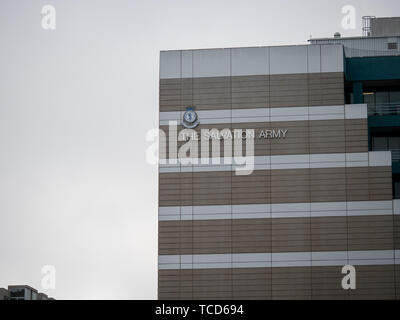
318	198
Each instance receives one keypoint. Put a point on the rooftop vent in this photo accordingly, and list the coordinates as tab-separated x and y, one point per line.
366	20
337	35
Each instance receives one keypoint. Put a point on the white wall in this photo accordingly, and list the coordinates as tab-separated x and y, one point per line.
251	61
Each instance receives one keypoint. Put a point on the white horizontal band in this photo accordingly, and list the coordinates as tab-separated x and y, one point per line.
224	62
349	111
282	259
282	210
304	161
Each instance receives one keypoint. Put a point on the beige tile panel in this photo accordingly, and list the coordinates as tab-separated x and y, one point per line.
176	94
373	282
276	235
397	282
312	77
276	186
396	230
314	137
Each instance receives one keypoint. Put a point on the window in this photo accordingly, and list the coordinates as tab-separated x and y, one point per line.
394	143
394	96
369	98
385	143
396	186
380	144
392	46
382	97
382	102
20	293
396	190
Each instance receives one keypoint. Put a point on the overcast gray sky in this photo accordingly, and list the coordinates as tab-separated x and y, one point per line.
75	105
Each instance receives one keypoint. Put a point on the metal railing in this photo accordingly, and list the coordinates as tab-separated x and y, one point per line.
395	155
384	109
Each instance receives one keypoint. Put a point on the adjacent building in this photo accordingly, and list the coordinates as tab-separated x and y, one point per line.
22	292
321	197
4	294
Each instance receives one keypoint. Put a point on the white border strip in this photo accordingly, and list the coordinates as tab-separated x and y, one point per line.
283	210
301	113
281	259
301	161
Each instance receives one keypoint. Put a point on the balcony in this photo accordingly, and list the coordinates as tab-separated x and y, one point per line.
384	109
